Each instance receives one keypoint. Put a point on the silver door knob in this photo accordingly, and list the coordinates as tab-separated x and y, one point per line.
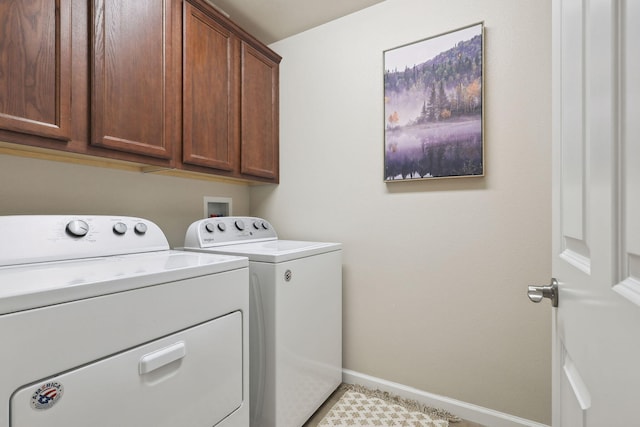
537	293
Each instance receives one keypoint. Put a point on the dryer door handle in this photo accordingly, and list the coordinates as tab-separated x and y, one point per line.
159	358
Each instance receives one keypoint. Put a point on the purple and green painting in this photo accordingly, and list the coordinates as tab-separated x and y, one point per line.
433	107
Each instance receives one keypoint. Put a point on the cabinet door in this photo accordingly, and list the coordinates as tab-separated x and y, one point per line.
210	92
35	67
133	76
259	115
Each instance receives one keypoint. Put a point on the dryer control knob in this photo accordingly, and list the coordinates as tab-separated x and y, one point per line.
240	224
256	225
210	227
222	226
77	228
265	225
120	228
140	228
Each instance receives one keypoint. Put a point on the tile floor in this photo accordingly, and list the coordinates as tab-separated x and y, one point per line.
333	399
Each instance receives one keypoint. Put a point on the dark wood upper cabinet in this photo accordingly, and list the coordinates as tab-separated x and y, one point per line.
163	83
133	85
259	129
35	67
230	97
209	93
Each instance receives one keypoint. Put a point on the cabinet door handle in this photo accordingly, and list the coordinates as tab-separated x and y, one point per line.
159	358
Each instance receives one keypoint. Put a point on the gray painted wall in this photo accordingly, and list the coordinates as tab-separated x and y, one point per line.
35	186
434	272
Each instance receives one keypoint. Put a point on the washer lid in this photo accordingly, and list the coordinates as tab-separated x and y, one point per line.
275	250
28	286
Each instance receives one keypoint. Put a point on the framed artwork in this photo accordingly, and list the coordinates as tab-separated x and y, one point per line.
433	107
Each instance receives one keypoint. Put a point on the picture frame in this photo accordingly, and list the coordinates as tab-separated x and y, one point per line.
434	107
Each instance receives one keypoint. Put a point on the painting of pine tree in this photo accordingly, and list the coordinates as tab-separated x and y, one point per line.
433	96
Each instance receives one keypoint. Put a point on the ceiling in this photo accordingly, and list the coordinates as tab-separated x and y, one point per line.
273	20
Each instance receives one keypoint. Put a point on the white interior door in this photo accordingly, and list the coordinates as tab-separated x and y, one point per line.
596	212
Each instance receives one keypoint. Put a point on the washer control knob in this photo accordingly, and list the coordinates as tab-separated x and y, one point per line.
140	228
77	228
256	225
120	228
222	226
240	224
265	225
210	227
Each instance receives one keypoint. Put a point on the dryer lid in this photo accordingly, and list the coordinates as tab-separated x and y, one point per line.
30	286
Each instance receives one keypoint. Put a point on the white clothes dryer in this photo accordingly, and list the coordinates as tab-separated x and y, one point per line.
296	315
102	325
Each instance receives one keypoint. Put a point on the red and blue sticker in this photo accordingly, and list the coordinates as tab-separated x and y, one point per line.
47	395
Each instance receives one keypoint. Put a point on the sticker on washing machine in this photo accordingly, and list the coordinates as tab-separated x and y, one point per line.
47	395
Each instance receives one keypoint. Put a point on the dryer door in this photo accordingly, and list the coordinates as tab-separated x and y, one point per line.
191	378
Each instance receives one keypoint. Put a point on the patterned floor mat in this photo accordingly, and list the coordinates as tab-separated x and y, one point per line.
365	408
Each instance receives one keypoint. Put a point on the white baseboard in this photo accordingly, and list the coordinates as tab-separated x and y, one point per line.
477	414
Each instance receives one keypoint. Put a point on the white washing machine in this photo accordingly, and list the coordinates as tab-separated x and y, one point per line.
102	325
296	315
